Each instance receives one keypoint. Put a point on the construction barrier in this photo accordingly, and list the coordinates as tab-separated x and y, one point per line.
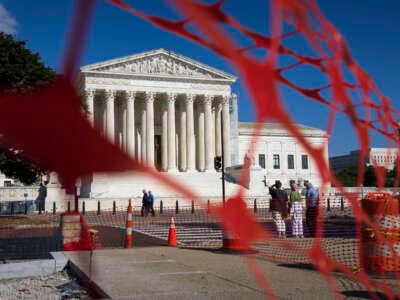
128	235
172	240
231	242
381	250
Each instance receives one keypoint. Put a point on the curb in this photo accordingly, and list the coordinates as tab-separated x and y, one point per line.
40	267
91	287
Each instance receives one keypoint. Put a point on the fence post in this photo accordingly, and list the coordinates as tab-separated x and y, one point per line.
341	204
54	207
255	205
69	206
83	207
114	207
176	207
208	206
328	205
98	207
161	207
192	207
26	207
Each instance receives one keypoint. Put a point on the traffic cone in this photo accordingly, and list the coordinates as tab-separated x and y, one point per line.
231	242
172	241
128	234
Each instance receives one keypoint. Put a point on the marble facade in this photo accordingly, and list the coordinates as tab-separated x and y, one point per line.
162	108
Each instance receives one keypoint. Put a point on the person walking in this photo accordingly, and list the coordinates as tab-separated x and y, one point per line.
151	204
145	204
296	210
312	199
41	198
278	207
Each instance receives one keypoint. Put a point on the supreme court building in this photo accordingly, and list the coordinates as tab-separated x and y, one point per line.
162	108
166	109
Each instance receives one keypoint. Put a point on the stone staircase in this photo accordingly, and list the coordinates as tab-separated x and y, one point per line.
203	184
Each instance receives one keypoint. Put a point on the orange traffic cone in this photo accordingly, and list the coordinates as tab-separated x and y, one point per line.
128	235
231	242
172	241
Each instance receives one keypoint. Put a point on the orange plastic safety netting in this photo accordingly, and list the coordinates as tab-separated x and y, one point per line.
77	141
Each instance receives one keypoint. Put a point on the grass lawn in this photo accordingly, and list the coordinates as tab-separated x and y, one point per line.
19	220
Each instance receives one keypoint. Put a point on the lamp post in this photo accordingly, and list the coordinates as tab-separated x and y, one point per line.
78	184
222	159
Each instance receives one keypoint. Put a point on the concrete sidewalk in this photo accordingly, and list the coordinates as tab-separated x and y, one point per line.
162	272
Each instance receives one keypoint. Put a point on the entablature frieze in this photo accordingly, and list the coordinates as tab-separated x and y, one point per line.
158	87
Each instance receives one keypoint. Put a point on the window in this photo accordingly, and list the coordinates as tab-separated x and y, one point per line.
276	162
290	161
261	160
304	162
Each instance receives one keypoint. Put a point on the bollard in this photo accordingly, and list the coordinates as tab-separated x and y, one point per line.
255	205
176	207
83	207
328	205
114	207
54	207
192	207
26	208
69	206
98	207
208	206
161	207
341	204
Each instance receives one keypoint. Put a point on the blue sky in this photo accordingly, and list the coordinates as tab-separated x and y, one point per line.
371	28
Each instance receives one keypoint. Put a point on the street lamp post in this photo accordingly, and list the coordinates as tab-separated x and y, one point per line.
222	159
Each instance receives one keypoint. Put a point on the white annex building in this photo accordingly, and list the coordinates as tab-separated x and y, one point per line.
166	109
382	157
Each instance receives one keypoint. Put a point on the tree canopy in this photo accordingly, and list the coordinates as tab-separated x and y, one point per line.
21	71
348	177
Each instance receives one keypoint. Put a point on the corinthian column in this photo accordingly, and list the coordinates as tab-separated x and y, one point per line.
143	134
190	149
89	95
200	129
227	131
130	126
164	137
150	128
171	133
218	109
208	134
182	135
110	96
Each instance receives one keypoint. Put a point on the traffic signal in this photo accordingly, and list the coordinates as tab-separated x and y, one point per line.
217	162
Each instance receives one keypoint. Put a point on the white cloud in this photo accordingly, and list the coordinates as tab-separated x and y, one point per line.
7	23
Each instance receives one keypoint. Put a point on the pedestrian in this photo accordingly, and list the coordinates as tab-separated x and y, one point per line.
312	200
296	210
151	204
145	204
41	198
278	207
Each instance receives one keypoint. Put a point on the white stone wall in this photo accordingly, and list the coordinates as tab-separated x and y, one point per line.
275	142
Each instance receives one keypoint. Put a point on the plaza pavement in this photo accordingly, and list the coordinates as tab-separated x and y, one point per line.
162	272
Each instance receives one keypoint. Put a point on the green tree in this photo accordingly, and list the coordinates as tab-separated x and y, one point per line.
348	177
21	71
370	177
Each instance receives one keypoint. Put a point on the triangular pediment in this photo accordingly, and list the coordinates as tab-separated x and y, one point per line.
159	62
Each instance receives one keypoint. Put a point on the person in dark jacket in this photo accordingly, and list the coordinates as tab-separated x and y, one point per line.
312	201
145	204
41	198
278	207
